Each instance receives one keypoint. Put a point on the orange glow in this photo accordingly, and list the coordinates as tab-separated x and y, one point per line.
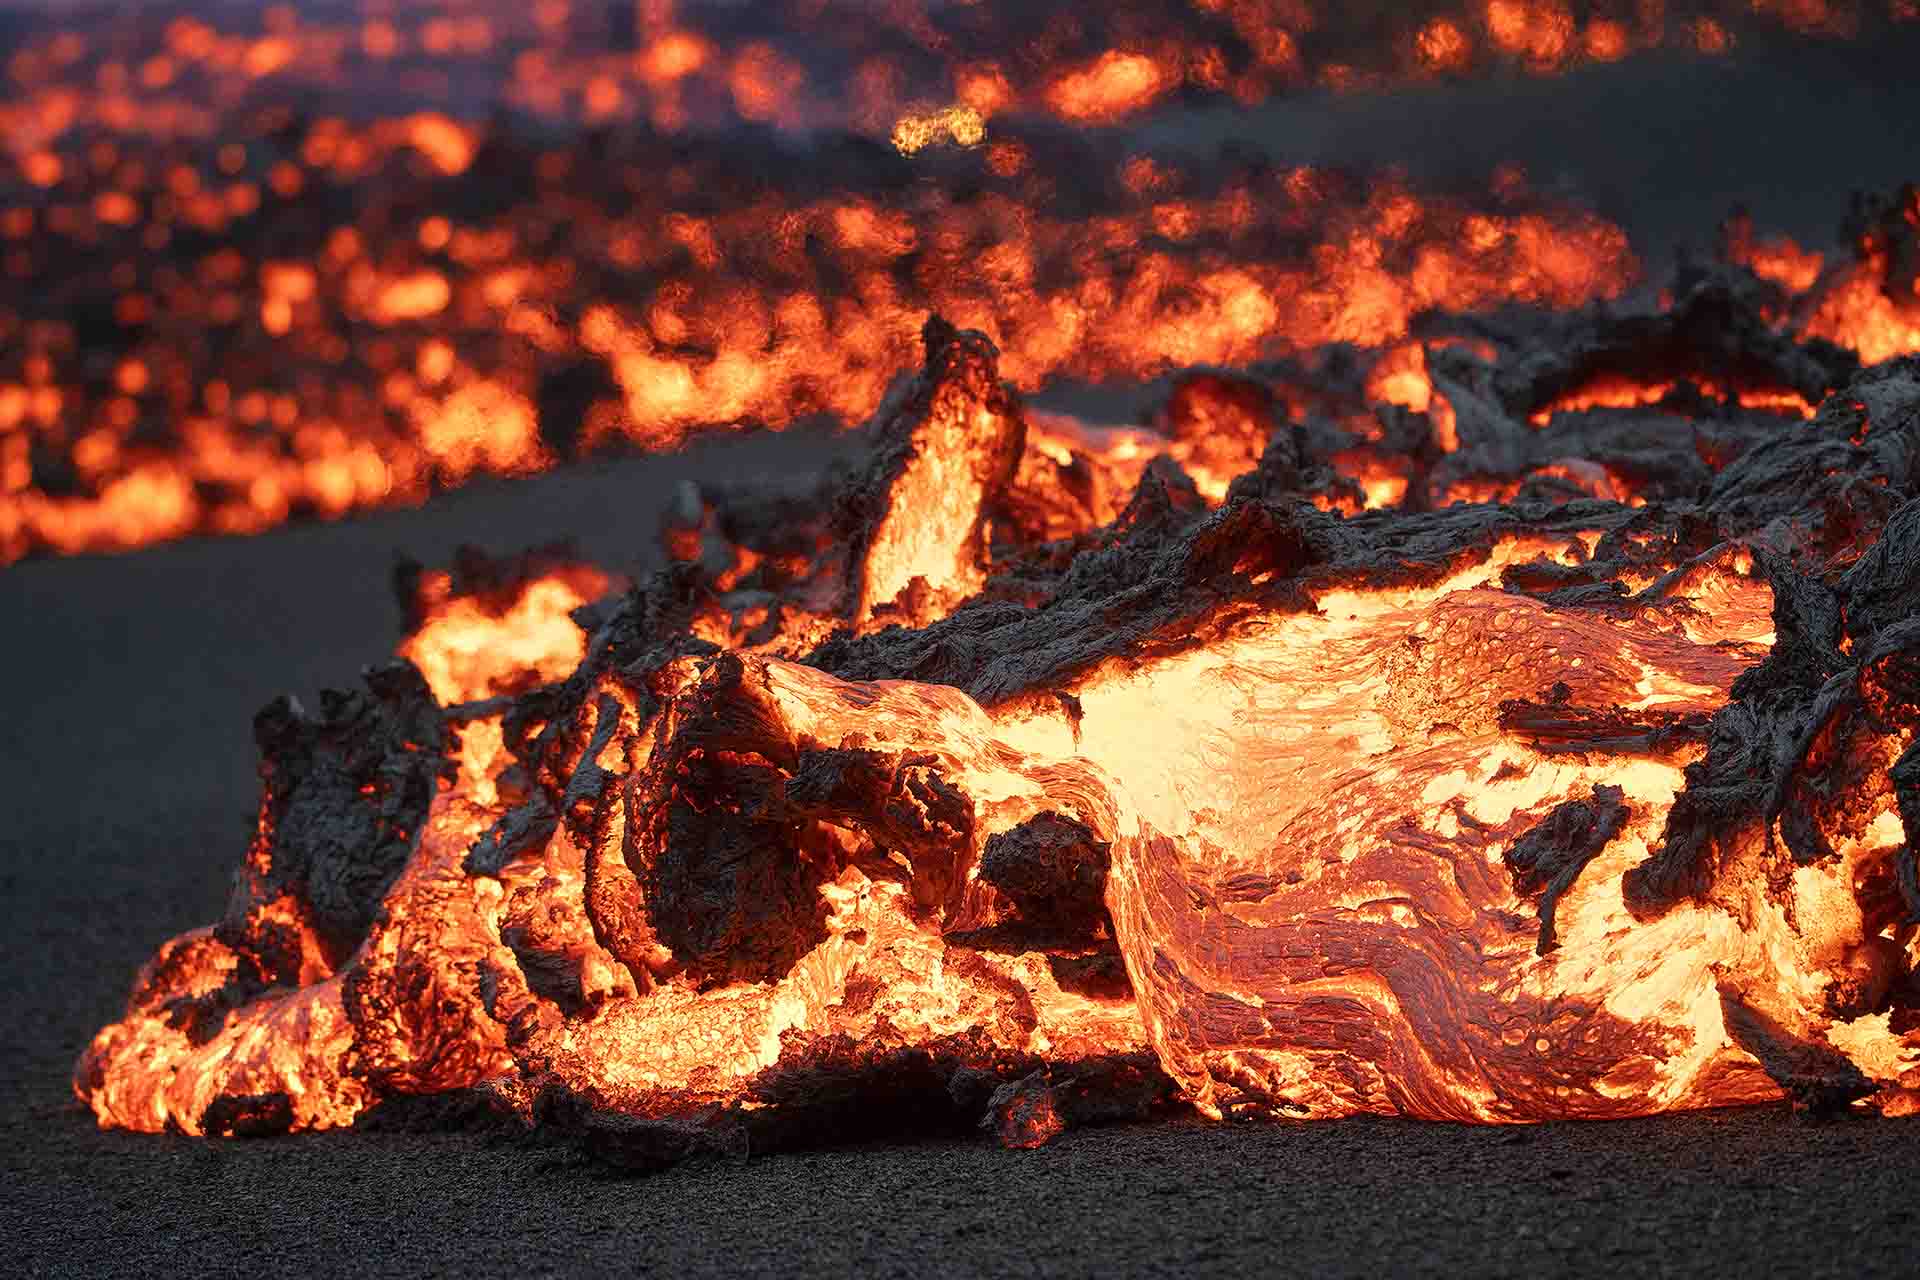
1856	312
1540	31
1862	303
1785	263
1607	41
443	141
480	427
351	333
692	67
1400	377
1115	85
763	83
1617	392
984	88
411	297
1443	46
676	55
470	648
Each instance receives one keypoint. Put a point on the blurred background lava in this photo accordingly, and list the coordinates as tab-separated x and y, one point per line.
264	262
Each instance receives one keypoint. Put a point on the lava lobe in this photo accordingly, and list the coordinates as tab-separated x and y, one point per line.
1279	758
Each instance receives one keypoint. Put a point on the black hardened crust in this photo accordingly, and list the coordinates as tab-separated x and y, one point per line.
1828	509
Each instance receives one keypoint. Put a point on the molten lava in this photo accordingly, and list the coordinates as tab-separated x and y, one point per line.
1496	701
1032	774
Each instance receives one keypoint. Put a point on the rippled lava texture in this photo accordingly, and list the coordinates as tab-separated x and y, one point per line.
1548	752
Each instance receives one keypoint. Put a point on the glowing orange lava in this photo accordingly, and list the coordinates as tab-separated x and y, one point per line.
1059	815
296	363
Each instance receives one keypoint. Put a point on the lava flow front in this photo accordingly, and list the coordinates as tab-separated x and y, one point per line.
1451	734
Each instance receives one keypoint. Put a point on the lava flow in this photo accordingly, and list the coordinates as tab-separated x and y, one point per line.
1445	735
270	261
